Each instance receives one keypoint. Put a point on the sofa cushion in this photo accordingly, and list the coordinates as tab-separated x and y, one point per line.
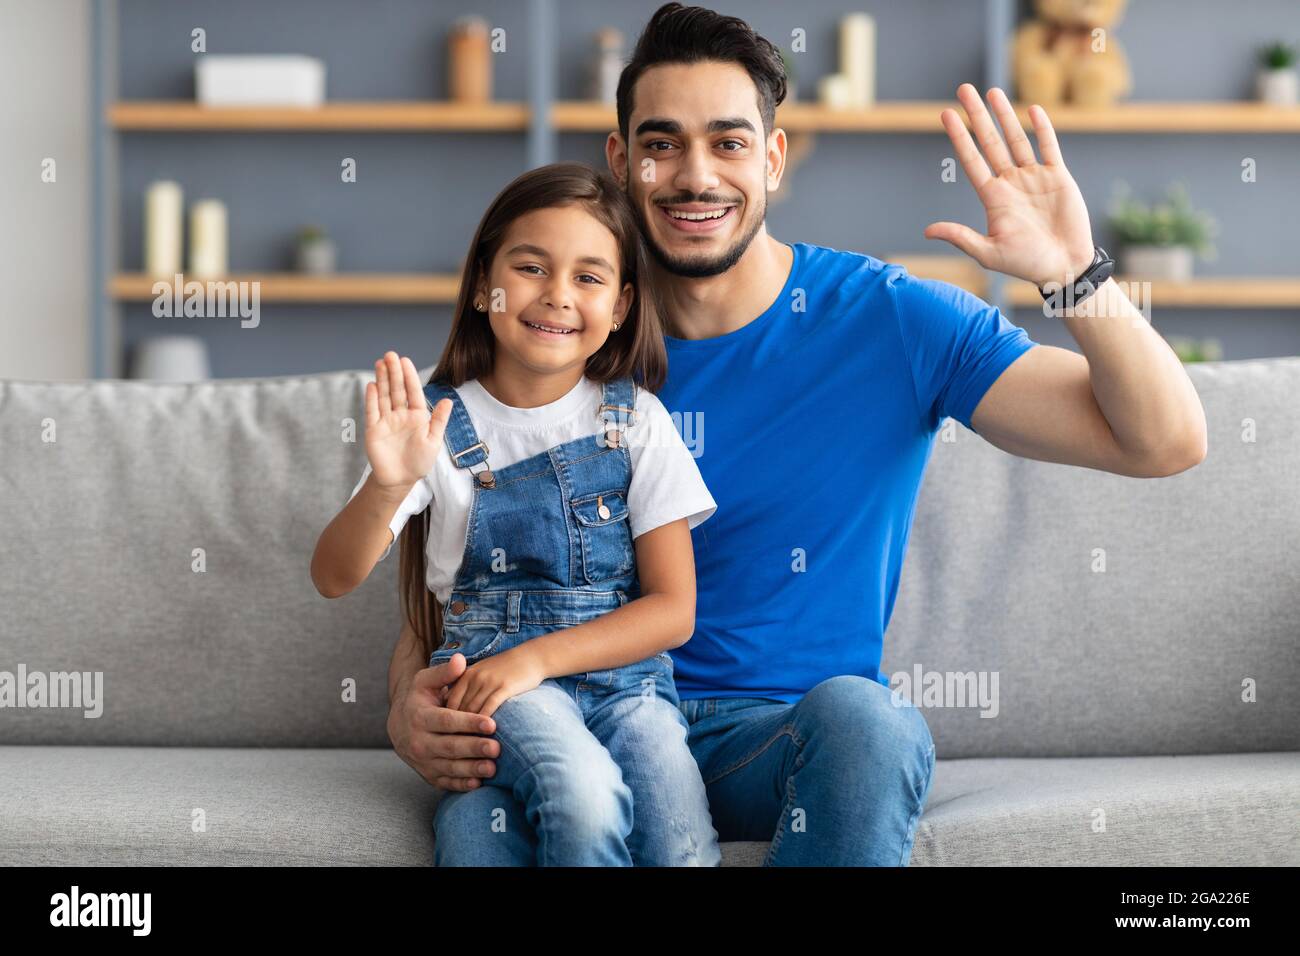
105	806
1222	810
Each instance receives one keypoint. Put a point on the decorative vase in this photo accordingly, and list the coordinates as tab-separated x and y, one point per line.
171	358
1167	263
607	67
469	61
1277	87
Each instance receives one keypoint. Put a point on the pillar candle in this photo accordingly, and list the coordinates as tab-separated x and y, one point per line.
858	57
833	91
208	239
162	229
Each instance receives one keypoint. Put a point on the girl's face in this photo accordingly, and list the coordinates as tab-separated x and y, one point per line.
552	293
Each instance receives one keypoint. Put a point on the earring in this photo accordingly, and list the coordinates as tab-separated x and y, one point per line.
478	305
615	326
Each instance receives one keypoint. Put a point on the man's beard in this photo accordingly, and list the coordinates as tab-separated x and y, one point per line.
699	267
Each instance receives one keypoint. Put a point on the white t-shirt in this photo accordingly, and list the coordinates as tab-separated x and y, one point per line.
666	483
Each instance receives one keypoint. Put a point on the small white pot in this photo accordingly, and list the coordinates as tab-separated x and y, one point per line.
1277	87
316	256
1168	263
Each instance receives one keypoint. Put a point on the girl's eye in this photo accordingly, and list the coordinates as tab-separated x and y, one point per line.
586	275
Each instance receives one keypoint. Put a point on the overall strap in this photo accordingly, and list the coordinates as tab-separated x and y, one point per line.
462	440
617	409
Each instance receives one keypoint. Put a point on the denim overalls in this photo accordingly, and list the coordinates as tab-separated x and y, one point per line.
599	760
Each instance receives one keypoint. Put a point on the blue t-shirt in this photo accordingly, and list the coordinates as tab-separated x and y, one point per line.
812	426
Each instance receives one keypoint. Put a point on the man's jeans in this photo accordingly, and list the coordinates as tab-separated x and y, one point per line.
838	779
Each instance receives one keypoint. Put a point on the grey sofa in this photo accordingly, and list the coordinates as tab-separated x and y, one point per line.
1146	709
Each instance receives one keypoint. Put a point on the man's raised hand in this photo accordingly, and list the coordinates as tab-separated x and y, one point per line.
1038	226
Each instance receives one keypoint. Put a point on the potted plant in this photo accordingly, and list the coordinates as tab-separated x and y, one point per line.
1195	350
791	88
1160	242
1276	83
315	252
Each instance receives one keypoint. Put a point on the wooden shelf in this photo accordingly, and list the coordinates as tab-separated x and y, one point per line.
398	287
581	116
1171	117
1243	292
923	117
394	115
1234	292
1264	292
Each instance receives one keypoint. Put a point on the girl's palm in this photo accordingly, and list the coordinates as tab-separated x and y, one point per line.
402	437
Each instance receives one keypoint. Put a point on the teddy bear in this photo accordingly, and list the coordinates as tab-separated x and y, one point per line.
1068	54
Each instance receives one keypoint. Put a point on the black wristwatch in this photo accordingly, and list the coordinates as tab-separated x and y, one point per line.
1099	270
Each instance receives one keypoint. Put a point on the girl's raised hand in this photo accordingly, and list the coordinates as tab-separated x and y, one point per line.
402	437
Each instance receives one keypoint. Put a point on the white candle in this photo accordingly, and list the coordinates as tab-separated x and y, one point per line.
162	229
834	91
208	239
858	57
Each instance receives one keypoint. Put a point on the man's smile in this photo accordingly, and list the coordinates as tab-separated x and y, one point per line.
697	217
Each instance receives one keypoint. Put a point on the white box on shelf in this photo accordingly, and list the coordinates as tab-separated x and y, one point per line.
259	80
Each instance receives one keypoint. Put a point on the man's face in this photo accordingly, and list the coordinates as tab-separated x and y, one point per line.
697	165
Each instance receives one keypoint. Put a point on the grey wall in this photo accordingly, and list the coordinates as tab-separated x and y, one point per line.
419	197
45	252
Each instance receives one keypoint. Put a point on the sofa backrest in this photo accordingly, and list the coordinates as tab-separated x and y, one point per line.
160	534
1119	615
164	538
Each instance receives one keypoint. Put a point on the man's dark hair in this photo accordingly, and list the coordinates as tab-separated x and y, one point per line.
679	34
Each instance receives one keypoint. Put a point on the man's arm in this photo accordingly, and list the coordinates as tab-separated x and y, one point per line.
1126	404
406	663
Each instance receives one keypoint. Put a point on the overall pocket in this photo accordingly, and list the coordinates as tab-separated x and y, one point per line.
475	641
606	535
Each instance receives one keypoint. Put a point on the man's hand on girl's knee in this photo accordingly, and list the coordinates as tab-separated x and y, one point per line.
443	746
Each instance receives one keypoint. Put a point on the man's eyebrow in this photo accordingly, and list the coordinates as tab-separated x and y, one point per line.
539	251
674	128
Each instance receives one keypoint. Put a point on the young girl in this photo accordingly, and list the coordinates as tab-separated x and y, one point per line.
554	529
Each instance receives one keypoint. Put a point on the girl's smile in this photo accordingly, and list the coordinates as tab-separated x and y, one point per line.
549	329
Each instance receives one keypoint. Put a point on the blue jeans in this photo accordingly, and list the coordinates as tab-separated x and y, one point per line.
837	779
600	767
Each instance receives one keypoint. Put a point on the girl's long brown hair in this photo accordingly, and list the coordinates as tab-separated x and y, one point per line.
636	349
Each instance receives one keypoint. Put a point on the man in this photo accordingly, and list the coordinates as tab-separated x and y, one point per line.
814	381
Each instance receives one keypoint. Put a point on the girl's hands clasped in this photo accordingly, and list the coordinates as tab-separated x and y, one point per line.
402	437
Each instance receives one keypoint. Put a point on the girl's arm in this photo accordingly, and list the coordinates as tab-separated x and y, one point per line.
662	618
402	441
352	544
